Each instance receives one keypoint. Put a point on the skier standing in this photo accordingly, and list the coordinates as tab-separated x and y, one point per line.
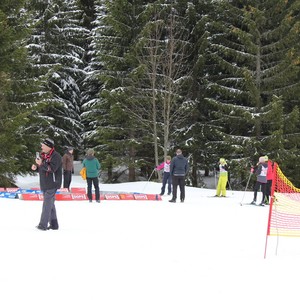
260	171
166	175
222	168
270	176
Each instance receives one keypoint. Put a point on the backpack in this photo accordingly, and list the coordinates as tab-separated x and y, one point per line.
83	173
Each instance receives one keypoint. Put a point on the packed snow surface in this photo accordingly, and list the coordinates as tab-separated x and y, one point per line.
205	248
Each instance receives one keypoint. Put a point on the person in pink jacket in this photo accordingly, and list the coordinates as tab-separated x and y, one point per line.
167	178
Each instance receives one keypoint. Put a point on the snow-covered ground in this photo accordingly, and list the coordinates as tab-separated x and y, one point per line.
206	248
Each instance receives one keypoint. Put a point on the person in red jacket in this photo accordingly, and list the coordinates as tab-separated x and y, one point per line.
270	176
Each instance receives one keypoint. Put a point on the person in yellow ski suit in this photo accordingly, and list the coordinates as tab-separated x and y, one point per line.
223	178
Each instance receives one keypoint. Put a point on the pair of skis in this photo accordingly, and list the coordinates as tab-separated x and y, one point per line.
253	204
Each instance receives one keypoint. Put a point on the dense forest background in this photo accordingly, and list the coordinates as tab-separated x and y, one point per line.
137	79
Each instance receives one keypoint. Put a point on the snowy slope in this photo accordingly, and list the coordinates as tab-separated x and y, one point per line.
206	248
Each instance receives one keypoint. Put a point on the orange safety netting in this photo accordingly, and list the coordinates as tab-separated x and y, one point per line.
284	215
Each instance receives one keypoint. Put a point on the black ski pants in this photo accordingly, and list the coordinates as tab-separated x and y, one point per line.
93	181
268	189
178	181
67	179
262	186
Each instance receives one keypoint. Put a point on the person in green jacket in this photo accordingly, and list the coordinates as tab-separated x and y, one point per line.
93	167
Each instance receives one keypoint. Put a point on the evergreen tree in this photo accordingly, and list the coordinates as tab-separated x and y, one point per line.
253	53
88	8
17	94
56	49
117	134
91	83
194	133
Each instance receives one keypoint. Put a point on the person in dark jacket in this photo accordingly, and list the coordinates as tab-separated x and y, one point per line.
68	167
270	175
92	172
260	171
49	166
178	170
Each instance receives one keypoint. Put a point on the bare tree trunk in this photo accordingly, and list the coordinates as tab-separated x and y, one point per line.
131	169
109	173
154	122
175	55
160	51
258	83
194	173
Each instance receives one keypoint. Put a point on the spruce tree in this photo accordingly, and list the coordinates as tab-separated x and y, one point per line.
56	50
91	84
195	133
17	92
253	54
115	132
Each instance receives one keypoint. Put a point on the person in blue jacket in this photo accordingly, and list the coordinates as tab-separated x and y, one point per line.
179	169
93	167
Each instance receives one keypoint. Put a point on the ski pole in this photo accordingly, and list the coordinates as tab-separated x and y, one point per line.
230	187
215	177
241	203
149	179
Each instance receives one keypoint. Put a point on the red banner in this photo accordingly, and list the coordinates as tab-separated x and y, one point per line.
83	196
78	190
